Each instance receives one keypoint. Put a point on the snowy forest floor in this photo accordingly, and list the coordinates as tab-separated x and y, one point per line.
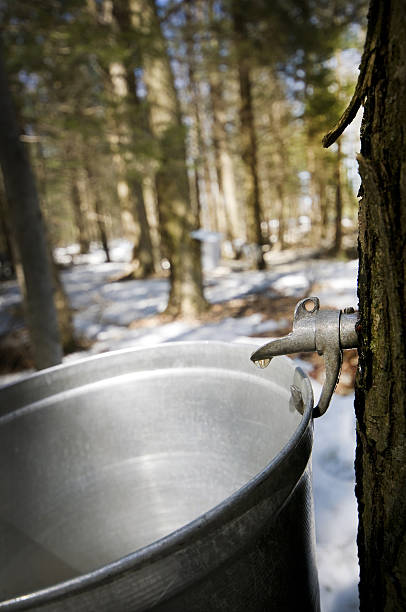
246	306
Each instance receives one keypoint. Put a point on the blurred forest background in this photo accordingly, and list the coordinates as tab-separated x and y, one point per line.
152	119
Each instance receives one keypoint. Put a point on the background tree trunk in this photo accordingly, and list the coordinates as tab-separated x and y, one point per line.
196	147
281	214
98	207
381	385
323	207
64	311
6	238
29	232
176	217
143	253
129	187
223	161
79	214
248	135
222	156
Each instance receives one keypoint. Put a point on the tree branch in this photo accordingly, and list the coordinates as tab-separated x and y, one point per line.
364	81
358	98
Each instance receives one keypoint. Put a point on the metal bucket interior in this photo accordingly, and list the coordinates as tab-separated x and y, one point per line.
101	458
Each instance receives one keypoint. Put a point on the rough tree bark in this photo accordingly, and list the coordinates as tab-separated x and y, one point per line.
29	233
381	388
381	385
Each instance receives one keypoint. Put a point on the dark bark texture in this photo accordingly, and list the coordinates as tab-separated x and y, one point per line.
381	385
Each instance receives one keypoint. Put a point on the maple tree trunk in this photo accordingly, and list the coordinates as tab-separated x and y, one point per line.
381	385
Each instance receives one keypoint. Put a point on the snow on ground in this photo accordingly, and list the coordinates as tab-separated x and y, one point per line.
335	504
103	311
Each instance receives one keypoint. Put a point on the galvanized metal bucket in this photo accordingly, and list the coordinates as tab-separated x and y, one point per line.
169	478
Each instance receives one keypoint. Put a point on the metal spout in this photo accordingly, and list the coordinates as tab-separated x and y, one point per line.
303	337
292	343
324	331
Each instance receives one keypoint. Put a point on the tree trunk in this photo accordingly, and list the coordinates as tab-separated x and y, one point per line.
64	311
381	385
214	214
222	156
281	217
129	188
84	242
176	216
151	206
101	226
197	139
380	463
248	135
146	257
98	208
313	184
142	257
223	161
63	308
323	207
6	242
122	140
29	233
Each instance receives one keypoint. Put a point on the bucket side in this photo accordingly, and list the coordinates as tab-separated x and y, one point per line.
260	538
276	572
241	527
